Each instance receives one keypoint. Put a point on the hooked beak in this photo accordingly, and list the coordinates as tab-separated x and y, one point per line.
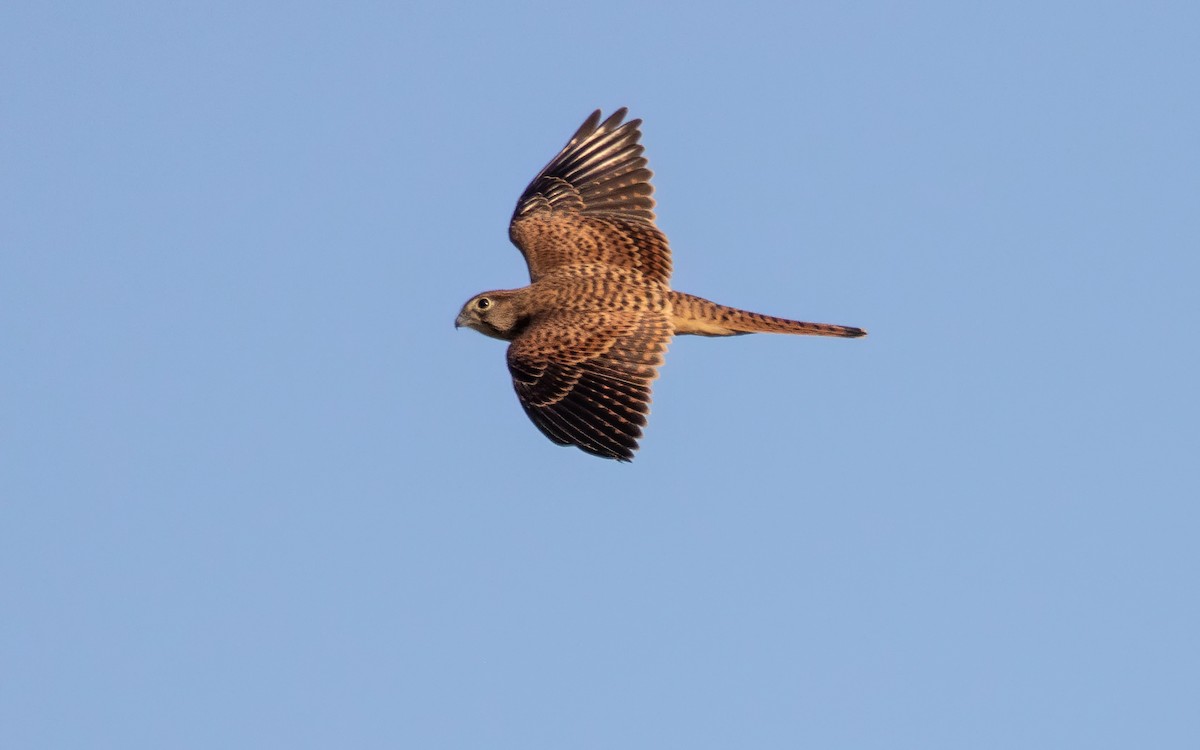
460	321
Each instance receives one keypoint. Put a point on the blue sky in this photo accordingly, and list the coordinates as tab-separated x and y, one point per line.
255	491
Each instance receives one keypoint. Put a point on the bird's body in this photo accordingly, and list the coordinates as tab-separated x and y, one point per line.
590	331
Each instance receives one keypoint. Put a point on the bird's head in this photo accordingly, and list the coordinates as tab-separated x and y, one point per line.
496	314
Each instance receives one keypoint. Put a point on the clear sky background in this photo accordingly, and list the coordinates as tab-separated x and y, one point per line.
257	492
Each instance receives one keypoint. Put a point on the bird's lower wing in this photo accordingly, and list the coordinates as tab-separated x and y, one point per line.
584	377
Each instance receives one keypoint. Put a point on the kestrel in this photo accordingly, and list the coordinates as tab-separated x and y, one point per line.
589	333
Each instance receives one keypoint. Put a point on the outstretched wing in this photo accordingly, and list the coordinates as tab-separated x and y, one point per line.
584	378
591	205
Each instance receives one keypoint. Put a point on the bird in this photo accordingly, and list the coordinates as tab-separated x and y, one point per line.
588	334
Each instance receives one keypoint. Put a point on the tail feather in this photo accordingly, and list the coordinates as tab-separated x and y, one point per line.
696	315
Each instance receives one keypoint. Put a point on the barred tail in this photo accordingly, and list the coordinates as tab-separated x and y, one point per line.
696	315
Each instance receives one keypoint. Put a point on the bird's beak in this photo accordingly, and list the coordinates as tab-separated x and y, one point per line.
459	322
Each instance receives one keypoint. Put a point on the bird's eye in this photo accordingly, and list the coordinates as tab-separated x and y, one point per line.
483	303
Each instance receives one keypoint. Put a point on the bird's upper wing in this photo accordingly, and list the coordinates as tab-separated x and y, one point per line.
584	377
591	205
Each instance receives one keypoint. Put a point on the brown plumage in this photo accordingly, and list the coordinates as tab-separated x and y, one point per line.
590	331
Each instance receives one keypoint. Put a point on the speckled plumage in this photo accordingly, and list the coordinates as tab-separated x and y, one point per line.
590	331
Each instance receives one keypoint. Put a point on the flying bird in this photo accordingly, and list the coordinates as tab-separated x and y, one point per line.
589	333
